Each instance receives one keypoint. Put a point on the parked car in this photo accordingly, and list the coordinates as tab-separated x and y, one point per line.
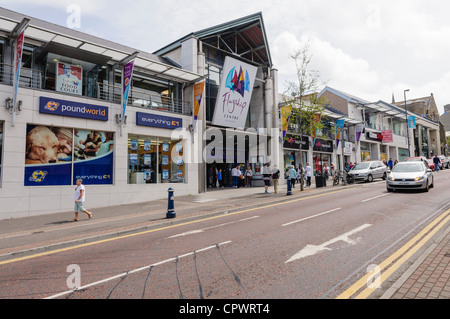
423	159
368	171
445	162
410	175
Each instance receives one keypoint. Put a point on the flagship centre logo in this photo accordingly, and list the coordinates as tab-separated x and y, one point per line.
233	99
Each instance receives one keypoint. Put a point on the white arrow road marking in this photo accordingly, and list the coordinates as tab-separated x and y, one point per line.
198	231
311	250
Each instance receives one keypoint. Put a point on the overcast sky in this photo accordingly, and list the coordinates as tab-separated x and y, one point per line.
371	49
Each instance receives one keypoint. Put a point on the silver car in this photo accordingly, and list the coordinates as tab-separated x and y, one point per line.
368	171
410	175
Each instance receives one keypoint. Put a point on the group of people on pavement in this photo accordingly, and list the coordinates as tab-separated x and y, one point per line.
295	174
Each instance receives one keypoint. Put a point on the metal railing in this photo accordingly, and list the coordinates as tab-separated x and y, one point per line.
29	78
143	98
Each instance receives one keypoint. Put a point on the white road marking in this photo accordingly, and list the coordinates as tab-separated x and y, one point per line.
136	270
314	216
311	250
198	231
376	197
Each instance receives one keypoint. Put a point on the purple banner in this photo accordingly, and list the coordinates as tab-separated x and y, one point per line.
127	74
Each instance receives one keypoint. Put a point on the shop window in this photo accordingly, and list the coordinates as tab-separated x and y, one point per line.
154	160
60	156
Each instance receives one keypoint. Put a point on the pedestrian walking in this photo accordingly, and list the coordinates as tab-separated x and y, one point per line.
80	198
308	175
391	164
332	170
219	178
248	177
292	175
326	171
266	177
436	161
275	178
235	173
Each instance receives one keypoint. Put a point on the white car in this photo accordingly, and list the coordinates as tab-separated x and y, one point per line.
410	175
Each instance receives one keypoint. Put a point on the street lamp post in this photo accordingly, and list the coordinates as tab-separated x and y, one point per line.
407	123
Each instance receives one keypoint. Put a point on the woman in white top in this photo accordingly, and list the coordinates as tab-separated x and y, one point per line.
79	198
308	175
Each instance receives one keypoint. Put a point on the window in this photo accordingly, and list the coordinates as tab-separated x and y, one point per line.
153	160
60	156
68	75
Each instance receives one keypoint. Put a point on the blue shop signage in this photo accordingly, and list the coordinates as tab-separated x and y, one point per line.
73	109
152	120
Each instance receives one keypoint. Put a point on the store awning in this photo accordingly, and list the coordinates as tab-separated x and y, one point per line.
114	55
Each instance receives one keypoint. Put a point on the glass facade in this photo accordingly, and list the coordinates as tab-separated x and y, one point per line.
153	160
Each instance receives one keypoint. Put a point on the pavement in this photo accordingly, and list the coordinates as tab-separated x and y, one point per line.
427	278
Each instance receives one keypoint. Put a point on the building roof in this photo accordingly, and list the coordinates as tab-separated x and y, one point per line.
245	37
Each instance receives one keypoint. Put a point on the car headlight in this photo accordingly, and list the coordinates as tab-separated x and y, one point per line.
390	178
419	178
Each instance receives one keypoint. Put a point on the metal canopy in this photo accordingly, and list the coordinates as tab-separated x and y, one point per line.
245	38
114	55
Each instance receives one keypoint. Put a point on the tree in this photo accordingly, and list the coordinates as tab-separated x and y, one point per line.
302	95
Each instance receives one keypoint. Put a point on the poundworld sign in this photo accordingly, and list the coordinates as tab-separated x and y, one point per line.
73	109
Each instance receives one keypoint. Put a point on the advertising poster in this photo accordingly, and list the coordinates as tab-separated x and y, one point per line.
127	74
147	159
48	156
69	78
339	126
147	146
165	160
93	157
133	159
165	147
235	93
388	137
134	145
165	174
18	65
285	117
198	95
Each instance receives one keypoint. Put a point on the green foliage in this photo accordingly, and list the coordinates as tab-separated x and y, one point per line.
302	94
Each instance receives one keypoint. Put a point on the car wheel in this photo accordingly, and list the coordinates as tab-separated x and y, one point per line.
384	176
427	188
390	190
370	178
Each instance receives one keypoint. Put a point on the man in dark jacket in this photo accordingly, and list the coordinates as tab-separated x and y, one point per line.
437	162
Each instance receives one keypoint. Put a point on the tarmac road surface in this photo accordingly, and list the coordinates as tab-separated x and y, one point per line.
316	246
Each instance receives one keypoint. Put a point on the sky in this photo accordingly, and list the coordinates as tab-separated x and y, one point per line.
371	49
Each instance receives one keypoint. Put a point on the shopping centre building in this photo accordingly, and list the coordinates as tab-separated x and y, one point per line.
67	120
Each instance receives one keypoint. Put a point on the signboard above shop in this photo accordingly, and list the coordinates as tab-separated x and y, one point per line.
153	120
72	109
235	93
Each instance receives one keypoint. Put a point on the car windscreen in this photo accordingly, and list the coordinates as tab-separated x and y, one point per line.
361	166
408	168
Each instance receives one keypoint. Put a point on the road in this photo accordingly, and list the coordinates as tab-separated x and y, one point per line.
320	246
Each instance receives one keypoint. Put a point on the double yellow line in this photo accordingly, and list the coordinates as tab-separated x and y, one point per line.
396	260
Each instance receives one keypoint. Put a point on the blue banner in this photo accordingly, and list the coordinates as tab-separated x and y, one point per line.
152	120
98	171
412	122
48	175
73	109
